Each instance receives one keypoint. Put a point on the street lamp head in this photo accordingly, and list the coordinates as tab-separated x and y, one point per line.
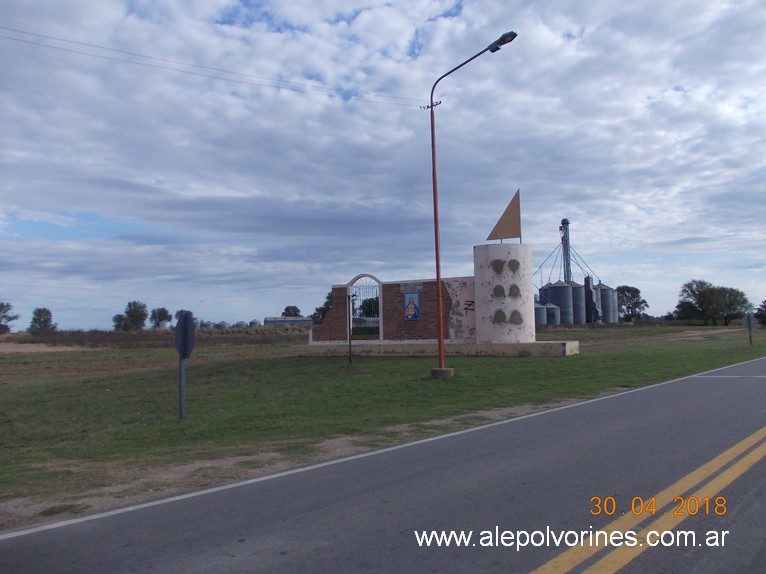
506	38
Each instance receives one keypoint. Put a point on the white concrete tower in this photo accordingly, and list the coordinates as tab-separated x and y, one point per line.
505	293
504	283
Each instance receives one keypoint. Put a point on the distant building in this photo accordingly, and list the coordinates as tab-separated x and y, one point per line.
288	322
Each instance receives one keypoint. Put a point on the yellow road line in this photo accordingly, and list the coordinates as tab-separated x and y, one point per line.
620	556
576	555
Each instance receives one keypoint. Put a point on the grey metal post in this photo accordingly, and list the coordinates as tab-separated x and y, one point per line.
181	388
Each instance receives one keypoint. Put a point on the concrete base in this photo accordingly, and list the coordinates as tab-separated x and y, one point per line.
444	373
409	349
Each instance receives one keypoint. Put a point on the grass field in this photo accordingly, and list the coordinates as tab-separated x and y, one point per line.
85	429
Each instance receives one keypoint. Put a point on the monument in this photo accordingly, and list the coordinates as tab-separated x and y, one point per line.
489	313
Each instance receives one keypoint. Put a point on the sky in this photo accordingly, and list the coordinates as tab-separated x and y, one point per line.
234	157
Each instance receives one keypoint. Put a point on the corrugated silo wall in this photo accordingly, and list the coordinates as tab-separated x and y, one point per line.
592	301
540	318
608	307
543	294
578	304
560	294
552	315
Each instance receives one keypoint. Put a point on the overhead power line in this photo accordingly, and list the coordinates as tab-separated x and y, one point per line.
239	77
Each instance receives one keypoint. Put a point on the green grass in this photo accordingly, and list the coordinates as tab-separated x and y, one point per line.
68	419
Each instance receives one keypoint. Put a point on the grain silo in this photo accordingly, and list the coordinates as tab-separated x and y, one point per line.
540	316
592	301
578	303
608	307
552	315
560	294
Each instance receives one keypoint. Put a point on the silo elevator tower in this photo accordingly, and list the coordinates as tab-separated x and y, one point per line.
566	254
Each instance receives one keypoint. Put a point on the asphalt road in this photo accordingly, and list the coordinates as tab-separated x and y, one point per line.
537	474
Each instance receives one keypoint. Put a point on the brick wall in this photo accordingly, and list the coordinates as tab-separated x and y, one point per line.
395	327
334	326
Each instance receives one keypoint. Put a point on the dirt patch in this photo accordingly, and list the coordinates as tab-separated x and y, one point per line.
696	335
132	485
8	348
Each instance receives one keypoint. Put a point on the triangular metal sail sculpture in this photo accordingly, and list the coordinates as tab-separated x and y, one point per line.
509	224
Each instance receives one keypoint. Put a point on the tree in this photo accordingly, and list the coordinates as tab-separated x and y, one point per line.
698	297
42	321
630	303
120	322
6	317
686	311
136	314
733	303
318	315
159	315
291	311
181	312
133	319
369	307
760	313
702	299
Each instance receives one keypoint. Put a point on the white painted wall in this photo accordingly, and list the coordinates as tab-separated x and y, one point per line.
462	315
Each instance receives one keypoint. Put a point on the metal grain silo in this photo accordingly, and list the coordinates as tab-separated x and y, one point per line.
552	315
560	294
543	294
608	308
578	304
540	317
592	301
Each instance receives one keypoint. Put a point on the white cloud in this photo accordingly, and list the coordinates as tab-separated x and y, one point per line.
264	151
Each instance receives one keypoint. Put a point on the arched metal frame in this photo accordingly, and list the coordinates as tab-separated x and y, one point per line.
349	308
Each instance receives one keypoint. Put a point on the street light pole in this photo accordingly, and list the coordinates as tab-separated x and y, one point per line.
443	372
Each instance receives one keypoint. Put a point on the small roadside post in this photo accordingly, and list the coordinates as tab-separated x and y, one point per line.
184	346
749	322
350	325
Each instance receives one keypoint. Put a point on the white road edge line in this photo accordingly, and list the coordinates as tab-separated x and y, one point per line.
247	482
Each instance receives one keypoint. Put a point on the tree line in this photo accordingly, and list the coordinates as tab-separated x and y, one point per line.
42	319
698	300
135	315
701	300
132	319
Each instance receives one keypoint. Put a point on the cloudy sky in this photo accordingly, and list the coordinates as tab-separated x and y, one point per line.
233	157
